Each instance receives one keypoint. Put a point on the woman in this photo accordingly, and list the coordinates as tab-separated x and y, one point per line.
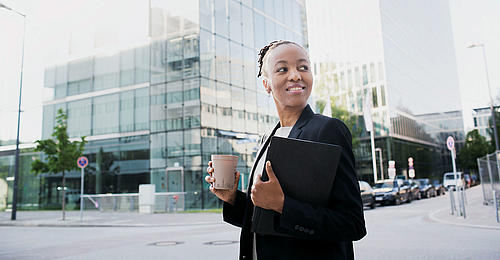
318	232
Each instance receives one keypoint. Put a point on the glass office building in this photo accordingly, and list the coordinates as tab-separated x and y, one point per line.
402	56
189	91
482	121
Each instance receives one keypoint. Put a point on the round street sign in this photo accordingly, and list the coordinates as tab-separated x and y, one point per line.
450	143
411	173
410	161
82	162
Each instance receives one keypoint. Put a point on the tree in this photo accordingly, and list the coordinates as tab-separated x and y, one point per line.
475	146
60	153
351	120
490	130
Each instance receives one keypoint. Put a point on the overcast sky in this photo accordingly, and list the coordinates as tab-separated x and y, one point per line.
51	22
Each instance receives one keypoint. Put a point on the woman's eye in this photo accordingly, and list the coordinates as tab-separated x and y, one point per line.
304	67
283	69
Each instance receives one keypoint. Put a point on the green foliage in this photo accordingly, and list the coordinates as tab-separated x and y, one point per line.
60	153
351	120
475	146
490	131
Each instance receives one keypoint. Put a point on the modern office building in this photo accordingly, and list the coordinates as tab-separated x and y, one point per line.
154	113
482	121
402	55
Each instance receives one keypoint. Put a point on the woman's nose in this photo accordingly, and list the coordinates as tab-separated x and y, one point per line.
294	75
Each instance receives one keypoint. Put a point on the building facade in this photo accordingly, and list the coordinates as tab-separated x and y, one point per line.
483	122
188	91
401	55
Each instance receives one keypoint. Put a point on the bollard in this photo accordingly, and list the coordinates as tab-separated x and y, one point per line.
452	202
496	204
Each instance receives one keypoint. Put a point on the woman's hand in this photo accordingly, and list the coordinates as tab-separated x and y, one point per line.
268	195
228	196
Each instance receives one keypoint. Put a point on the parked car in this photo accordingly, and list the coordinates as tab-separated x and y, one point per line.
391	192
414	190
440	189
426	189
449	180
367	194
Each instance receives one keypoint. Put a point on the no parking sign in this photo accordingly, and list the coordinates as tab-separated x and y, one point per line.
82	162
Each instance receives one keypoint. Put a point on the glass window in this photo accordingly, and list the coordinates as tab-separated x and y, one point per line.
222	59
158	62
106	72
221	21
48	121
270	31
237	98
141	109
79	118
49	77
372	72
80	76
288	14
158	108
142	64
259	30
365	75
174	59
235	21
259	4
191	58
127	68
374	97
247	19
269	7
250	100
175	144
158	151
349	79
61	81
279	10
207	54
236	64
224	111
206	14
382	95
357	77
105	114
192	142
127	111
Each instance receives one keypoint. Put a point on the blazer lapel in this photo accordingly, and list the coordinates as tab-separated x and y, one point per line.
306	115
264	144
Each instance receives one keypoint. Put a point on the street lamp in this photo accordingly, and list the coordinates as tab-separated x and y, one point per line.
16	167
481	45
379	150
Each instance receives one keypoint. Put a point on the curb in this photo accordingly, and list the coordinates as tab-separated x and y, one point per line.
431	216
104	225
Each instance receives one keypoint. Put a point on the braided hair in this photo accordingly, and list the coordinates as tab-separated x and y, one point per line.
267	48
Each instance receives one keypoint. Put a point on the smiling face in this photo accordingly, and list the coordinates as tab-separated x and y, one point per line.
287	75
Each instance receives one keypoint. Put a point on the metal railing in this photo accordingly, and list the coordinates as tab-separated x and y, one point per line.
489	174
129	202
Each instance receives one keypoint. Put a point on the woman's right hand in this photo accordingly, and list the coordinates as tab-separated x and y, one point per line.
228	196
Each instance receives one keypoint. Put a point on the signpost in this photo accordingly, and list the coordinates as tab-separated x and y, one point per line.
82	162
411	171
392	170
450	143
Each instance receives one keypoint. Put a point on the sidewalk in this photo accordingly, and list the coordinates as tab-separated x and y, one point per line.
477	214
107	219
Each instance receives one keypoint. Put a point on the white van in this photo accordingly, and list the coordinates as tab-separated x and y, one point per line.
449	180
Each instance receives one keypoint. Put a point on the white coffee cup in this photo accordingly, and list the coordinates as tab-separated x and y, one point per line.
224	171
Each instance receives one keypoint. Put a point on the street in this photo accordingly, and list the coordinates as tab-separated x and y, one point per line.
408	231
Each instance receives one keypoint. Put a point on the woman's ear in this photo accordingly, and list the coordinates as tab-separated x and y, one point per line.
266	85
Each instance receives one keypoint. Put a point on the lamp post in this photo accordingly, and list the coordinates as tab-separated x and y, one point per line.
16	167
379	150
481	45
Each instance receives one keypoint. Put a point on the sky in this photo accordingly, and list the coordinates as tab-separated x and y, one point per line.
51	23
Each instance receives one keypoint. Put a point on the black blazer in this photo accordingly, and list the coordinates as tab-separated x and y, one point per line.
320	233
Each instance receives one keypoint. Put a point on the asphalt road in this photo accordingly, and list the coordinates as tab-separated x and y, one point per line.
394	232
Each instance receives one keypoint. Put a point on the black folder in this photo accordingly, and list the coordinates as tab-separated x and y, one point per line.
306	171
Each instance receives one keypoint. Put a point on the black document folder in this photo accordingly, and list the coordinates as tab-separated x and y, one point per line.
306	171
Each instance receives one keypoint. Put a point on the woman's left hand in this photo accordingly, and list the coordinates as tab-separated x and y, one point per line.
268	195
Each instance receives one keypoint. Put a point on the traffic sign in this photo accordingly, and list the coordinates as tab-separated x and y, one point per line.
450	143
82	162
411	173
392	164
410	161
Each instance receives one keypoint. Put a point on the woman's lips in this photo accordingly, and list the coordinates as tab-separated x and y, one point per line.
296	88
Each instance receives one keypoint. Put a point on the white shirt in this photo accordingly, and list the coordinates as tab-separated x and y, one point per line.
280	132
